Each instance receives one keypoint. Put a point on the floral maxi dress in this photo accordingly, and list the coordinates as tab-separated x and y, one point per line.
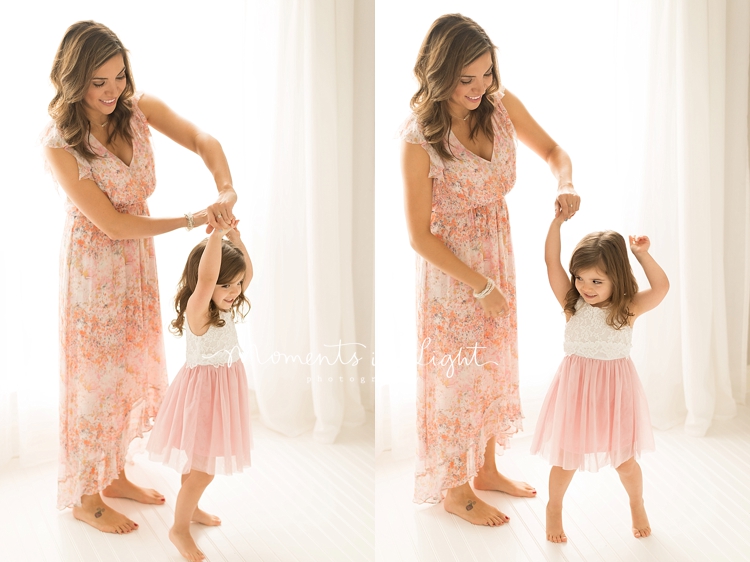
467	384
112	367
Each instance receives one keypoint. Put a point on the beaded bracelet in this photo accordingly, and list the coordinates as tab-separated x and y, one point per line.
189	218
487	290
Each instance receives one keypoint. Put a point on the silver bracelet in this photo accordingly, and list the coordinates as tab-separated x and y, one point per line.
487	290
189	218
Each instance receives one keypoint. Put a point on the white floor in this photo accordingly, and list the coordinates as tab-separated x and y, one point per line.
300	501
697	493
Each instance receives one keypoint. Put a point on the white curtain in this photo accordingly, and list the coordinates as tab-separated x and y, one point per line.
310	368
695	199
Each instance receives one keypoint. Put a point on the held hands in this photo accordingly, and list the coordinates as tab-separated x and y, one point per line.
233	234
559	217
220	215
567	202
227	231
639	245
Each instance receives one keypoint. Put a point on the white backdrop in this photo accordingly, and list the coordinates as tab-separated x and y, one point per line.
582	70
216	66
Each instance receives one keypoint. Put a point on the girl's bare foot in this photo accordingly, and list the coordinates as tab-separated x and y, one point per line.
102	517
184	542
124	488
462	501
555	531
491	479
641	527
200	516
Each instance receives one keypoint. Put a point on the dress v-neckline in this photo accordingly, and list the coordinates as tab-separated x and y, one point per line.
132	156
483	159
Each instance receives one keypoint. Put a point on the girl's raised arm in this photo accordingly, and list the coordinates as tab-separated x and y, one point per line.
649	298
558	278
236	239
208	274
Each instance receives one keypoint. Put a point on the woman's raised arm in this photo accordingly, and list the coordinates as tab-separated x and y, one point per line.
162	118
531	134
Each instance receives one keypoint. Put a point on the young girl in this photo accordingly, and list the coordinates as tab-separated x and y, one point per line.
203	425
595	412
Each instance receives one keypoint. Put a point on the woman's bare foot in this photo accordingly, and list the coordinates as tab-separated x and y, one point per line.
491	479
200	516
100	516
555	531
124	488
641	527
462	501
184	542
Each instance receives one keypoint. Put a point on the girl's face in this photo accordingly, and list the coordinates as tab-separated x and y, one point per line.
594	286
105	88
474	81
224	295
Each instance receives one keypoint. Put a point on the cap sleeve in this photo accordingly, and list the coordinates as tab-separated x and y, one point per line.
412	133
52	138
139	121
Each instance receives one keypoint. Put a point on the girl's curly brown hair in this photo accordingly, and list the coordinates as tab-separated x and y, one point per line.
607	252
232	264
452	42
86	46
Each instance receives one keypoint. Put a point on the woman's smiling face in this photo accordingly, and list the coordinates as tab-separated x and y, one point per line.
104	90
475	78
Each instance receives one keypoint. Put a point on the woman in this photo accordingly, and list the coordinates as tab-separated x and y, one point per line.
458	162
113	372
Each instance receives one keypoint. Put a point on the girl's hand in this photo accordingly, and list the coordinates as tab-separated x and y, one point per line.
495	304
220	214
558	219
568	201
222	232
233	235
639	245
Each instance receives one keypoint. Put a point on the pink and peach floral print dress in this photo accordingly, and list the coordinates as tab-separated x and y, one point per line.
467	374
112	367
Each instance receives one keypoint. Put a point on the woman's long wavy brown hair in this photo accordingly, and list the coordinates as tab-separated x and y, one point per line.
452	42
232	264
607	252
86	46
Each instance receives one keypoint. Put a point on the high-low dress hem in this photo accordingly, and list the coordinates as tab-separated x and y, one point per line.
462	405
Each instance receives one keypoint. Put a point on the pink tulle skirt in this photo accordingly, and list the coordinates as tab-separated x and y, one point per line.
595	414
204	422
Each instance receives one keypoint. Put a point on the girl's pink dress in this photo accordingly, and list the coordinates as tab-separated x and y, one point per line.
204	422
112	368
595	412
467	373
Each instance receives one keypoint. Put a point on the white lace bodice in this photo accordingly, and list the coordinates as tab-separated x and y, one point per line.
587	334
218	346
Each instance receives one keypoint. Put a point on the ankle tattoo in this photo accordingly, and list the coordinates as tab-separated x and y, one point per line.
98	512
470	505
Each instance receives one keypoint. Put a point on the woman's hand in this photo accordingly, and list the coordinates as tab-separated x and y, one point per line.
200	218
220	214
568	201
495	304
